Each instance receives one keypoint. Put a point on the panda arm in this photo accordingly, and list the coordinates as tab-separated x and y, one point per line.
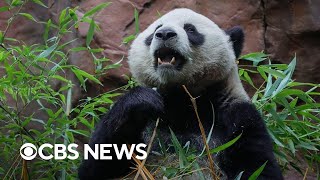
123	124
253	149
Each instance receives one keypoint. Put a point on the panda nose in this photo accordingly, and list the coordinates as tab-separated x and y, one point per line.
165	34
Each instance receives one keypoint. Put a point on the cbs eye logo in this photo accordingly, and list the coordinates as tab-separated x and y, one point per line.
28	151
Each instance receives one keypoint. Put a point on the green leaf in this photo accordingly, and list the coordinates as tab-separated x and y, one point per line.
128	39
309	115
62	16
59	78
81	132
16	3
256	174
248	79
286	104
26	121
62	46
297	168
96	9
273	72
80	78
1	56
29	16
96	50
307	146
225	146
275	139
48	51
287	79
200	173
256	57
169	172
291	146
112	66
179	150
76	49
1	37
4	8
136	21
85	122
40	3
86	75
90	33
73	15
290	92
70	136
46	31
268	91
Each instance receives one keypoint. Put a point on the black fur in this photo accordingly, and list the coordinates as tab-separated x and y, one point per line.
194	36
237	37
126	122
128	118
149	39
165	34
122	125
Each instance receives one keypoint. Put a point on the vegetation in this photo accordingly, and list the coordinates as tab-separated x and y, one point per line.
292	115
29	73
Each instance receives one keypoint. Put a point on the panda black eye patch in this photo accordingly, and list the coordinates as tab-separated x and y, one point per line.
150	37
194	36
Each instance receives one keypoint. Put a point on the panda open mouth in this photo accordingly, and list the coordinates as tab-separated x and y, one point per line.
169	58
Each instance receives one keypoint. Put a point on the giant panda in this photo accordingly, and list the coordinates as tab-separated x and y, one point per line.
186	48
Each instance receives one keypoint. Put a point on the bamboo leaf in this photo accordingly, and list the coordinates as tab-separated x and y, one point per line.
40	3
4	8
48	51
96	9
76	49
225	146
179	150
86	75
256	57
46	31
90	33
136	21
29	16
256	174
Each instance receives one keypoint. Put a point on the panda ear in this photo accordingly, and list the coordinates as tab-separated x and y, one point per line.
237	37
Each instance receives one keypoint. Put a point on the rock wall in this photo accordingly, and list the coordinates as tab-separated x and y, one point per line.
282	29
293	27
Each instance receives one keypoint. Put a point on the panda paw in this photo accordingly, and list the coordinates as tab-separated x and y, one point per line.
135	108
143	101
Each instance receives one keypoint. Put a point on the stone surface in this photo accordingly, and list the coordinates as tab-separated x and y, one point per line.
293	27
280	28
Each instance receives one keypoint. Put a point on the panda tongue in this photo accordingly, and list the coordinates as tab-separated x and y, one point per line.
165	61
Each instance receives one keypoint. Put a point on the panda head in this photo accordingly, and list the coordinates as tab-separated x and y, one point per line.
184	47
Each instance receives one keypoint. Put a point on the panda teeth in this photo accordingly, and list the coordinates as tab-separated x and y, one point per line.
159	61
173	60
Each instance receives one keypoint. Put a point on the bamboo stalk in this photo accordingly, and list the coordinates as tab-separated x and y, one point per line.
148	150
203	134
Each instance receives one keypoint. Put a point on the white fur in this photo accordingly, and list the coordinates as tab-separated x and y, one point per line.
213	60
